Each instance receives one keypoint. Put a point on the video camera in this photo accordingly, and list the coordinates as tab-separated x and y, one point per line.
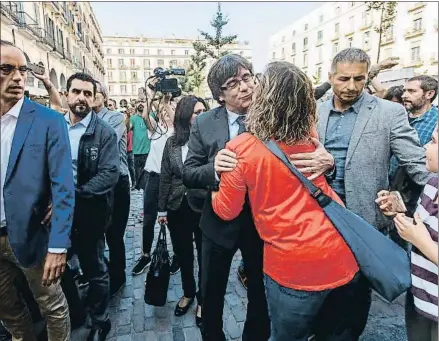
165	85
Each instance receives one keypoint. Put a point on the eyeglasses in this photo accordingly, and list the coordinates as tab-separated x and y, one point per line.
6	69
234	83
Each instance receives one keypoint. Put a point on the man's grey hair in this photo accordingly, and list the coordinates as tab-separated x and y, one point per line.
350	55
102	89
428	83
223	69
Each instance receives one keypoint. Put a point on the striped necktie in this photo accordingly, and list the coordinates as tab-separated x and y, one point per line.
240	121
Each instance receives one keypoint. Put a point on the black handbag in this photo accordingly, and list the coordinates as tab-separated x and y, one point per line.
383	263
157	279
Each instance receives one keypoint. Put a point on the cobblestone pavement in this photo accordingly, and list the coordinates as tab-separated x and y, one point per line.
133	320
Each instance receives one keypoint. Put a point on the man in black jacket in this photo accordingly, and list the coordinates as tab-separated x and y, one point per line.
95	157
231	81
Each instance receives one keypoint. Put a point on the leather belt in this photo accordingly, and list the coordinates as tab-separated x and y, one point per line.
3	231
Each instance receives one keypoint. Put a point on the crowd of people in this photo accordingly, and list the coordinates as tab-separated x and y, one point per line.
67	174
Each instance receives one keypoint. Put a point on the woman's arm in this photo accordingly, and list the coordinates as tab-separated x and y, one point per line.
229	201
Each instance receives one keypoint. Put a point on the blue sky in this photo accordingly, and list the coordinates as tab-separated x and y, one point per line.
252	21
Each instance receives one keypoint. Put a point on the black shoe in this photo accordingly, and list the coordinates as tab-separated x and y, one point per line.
141	265
101	333
242	277
117	285
175	267
82	282
198	320
180	311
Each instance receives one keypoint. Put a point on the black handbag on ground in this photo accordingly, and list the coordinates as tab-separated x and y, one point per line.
384	264
157	279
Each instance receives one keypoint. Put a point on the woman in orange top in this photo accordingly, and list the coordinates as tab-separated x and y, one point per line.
306	261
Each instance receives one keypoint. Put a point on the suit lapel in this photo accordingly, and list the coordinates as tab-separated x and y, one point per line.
323	122
221	127
24	123
363	117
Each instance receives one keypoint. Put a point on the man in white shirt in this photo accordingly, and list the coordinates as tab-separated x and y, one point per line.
35	170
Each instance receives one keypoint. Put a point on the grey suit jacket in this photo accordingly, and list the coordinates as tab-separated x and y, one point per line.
381	130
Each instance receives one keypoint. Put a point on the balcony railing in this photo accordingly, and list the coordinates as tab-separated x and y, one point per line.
53	5
415	63
414	32
28	23
59	49
68	55
366	25
387	40
416	6
10	10
336	36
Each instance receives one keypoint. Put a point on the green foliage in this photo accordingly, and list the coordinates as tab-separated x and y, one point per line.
387	10
196	70
214	45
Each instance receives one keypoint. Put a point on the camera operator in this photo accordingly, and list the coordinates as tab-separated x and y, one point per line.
161	127
141	142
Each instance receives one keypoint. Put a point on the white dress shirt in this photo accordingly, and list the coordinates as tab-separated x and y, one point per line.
8	125
75	133
154	161
184	151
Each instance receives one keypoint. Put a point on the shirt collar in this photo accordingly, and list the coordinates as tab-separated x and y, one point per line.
15	110
432	112
356	106
232	117
85	121
102	112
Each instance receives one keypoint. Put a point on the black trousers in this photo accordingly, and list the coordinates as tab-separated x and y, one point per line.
90	250
150	207
216	268
139	165
130	159
116	231
183	226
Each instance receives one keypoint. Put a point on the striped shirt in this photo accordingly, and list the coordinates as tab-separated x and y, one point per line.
425	272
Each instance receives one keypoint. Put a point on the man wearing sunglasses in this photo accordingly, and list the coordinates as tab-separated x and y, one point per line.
35	170
232	83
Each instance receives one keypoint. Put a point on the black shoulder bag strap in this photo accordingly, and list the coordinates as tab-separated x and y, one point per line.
315	192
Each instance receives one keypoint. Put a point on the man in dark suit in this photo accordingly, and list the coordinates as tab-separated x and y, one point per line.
231	81
36	169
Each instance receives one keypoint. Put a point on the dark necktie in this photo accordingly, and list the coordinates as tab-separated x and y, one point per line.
240	121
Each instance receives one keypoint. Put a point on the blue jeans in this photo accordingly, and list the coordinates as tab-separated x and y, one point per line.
332	315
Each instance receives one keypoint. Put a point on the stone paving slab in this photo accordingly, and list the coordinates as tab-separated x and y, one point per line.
133	320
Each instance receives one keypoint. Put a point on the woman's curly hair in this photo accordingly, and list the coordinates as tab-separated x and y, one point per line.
284	107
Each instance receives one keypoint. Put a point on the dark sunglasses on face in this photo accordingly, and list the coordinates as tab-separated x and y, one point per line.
234	83
6	69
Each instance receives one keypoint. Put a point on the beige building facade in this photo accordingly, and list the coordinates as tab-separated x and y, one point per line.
63	36
312	41
131	60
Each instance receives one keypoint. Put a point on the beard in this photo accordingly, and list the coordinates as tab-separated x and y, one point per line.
416	105
80	109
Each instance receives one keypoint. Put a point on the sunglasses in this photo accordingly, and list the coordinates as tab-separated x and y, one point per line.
6	69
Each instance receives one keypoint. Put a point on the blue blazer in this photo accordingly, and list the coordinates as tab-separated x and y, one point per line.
39	172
